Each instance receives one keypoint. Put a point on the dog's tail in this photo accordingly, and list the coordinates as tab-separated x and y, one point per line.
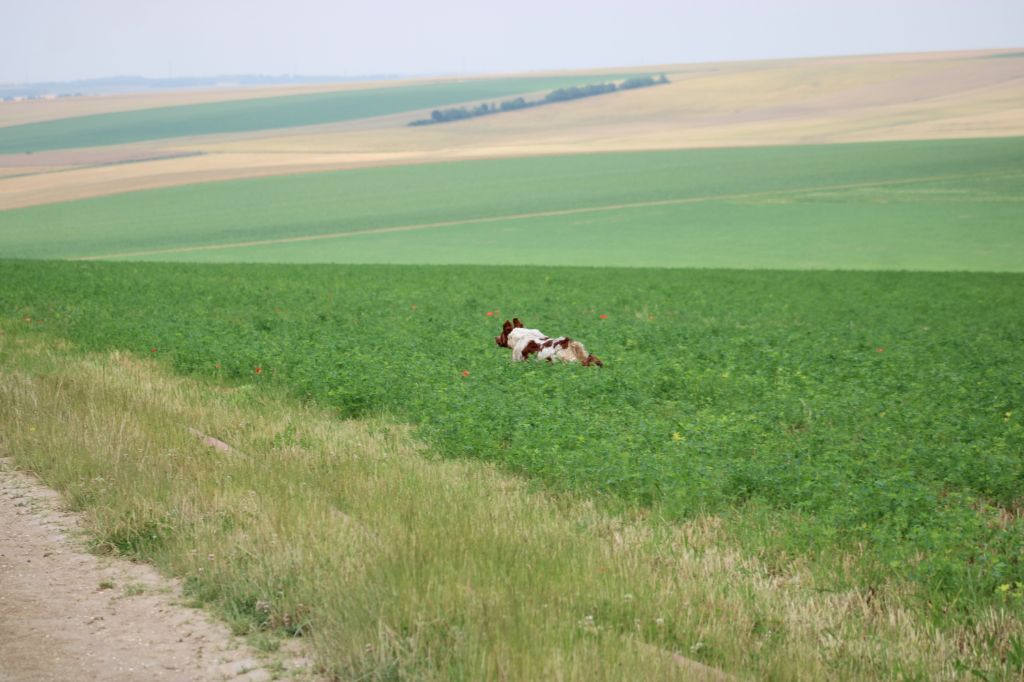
577	353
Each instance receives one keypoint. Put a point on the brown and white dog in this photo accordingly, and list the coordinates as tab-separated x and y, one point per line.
525	341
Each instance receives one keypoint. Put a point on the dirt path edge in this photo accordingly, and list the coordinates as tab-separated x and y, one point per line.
68	614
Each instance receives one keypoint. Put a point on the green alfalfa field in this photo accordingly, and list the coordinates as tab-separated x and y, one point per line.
852	433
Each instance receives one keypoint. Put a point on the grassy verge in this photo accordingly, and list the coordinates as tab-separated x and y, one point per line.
397	565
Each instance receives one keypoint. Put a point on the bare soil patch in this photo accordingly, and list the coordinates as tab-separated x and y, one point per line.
66	614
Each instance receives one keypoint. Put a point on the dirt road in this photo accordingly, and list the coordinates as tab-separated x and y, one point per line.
66	614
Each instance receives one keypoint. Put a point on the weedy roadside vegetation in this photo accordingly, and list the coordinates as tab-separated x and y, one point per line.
397	565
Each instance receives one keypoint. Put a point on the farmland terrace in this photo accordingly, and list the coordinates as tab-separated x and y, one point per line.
810	101
930	205
803	457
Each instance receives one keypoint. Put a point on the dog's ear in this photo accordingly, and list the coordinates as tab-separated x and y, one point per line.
516	322
502	339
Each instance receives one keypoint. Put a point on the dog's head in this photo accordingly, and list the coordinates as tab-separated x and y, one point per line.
502	339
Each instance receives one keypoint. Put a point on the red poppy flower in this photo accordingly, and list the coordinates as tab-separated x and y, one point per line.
602	316
258	370
465	372
152	350
490	313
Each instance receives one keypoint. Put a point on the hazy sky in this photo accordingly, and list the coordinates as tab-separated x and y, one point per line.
72	39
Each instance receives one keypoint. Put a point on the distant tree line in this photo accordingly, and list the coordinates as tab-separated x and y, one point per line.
559	95
578	91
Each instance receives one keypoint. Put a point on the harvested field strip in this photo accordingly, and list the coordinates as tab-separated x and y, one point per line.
901	97
527	216
391	563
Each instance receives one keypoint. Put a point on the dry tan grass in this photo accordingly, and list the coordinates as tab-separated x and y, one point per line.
812	101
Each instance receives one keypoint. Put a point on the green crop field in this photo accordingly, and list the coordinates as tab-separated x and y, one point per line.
918	226
944	205
852	432
846	410
262	113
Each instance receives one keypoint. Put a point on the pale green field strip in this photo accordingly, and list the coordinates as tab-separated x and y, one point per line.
263	113
644	208
769	232
616	208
